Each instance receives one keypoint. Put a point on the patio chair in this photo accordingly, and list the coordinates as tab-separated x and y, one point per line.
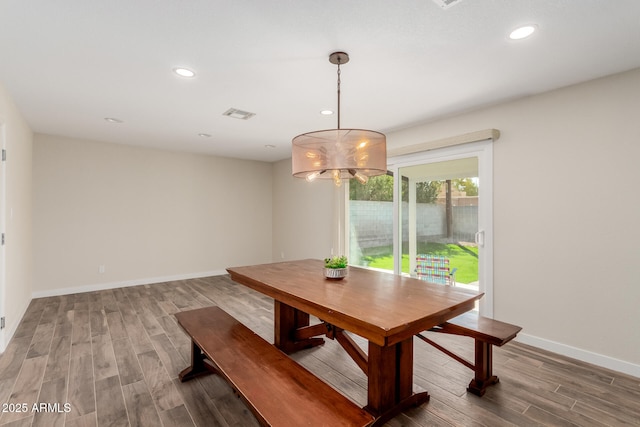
435	269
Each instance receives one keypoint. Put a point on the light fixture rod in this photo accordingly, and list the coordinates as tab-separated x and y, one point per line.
338	95
338	58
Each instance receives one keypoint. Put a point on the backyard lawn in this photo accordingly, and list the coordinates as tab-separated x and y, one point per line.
464	258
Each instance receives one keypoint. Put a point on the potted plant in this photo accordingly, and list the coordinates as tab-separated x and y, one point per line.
335	267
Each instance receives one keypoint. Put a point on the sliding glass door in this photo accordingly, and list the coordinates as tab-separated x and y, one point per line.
435	202
442	207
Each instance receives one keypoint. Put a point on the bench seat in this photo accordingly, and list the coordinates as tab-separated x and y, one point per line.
279	391
486	333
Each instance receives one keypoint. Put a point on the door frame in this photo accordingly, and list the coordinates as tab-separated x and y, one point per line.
3	223
483	150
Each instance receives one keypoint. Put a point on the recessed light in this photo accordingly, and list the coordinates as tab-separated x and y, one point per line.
270	146
204	135
184	72
522	32
326	112
113	120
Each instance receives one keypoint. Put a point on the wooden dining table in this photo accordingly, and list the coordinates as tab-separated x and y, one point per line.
385	309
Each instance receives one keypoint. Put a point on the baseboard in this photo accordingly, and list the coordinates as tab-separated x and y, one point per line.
123	284
11	328
580	354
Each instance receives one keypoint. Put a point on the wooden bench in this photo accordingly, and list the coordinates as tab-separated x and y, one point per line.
486	333
279	391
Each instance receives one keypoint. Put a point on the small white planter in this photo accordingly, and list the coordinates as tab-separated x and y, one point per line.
335	273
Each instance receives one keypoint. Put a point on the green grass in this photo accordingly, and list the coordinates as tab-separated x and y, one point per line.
464	258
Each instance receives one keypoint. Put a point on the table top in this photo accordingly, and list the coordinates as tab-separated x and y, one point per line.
381	307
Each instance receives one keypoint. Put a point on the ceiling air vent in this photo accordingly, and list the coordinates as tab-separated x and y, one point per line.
238	114
446	4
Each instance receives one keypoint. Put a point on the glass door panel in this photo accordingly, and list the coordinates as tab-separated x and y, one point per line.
371	223
438	216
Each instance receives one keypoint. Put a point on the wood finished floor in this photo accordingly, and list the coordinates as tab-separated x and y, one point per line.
113	356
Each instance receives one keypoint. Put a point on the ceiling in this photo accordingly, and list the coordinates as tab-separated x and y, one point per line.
70	64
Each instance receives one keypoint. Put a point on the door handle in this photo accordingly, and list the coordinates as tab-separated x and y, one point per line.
479	238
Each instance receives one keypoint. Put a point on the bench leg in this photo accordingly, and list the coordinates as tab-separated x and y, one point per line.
483	369
198	366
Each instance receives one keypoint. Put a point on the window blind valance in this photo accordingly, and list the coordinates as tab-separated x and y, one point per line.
480	135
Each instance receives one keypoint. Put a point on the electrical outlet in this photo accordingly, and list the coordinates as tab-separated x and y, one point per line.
101	269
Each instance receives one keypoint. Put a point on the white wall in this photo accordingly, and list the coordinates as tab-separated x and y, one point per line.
145	215
17	211
303	216
567	272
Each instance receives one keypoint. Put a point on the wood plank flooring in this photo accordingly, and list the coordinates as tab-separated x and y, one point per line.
113	358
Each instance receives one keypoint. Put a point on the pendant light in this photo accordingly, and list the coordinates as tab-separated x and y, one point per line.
339	153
